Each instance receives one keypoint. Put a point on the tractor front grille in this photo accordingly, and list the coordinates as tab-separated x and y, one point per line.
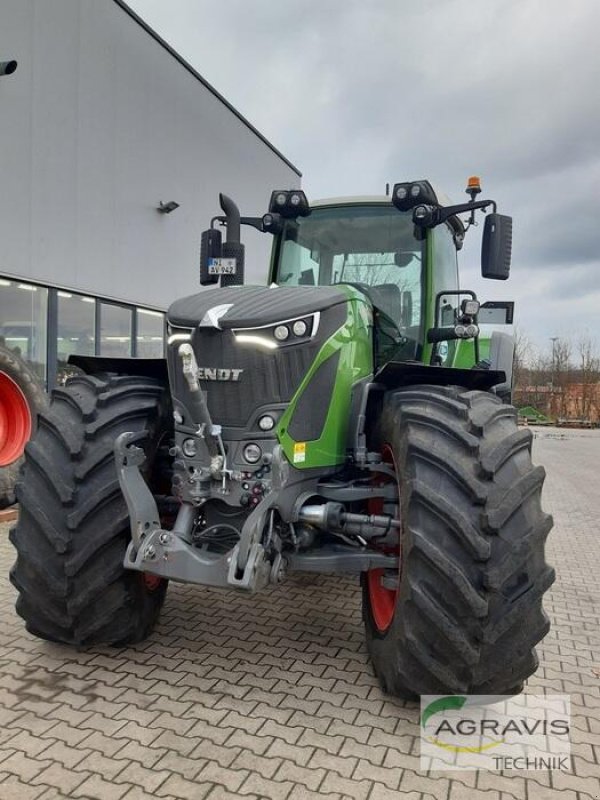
267	377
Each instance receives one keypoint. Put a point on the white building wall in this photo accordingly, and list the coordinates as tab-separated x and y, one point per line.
97	125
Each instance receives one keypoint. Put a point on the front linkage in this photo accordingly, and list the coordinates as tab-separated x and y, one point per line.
251	564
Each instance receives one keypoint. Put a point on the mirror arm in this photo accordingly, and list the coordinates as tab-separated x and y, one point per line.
442	214
253	222
463	208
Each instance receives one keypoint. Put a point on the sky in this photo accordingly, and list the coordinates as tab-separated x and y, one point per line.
357	93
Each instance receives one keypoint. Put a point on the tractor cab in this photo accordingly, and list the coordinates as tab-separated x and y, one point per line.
400	251
365	243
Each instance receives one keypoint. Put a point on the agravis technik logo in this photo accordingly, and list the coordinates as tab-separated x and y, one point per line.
495	732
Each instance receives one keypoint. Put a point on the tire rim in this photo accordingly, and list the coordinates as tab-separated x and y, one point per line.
15	421
151	582
382	599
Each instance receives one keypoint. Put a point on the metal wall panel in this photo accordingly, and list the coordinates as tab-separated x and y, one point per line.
97	125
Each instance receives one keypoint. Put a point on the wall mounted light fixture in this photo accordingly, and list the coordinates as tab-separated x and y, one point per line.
7	67
166	208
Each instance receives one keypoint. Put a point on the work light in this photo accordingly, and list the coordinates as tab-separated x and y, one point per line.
407	195
291	203
470	308
266	423
299	327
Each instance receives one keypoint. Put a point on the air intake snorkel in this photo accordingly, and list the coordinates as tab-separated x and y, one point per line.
232	250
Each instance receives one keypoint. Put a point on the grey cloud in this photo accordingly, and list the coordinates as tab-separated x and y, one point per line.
360	92
573	282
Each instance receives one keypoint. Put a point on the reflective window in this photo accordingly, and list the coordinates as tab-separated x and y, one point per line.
150	333
23	320
115	330
76	331
373	248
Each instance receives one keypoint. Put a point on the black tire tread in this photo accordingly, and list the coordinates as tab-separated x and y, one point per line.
73	527
469	606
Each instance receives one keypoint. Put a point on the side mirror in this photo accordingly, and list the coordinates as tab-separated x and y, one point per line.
210	247
497	312
496	247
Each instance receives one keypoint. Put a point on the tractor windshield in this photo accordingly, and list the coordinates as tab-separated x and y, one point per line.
372	247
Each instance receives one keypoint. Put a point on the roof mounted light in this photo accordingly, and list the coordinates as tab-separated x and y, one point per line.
407	195
473	186
291	203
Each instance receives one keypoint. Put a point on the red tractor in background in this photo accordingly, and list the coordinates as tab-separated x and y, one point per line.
22	397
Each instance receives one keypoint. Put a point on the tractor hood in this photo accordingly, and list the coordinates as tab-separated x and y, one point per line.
251	306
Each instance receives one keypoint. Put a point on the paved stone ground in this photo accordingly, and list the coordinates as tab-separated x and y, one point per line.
273	696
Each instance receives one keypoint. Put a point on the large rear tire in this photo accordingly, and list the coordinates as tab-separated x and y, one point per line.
22	397
73	526
464	613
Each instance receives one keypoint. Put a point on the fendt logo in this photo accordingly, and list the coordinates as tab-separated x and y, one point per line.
214	374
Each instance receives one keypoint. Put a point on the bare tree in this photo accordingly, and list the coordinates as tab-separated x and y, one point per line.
522	358
589	367
561	375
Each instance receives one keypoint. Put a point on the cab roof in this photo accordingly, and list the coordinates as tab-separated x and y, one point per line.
373	199
382	199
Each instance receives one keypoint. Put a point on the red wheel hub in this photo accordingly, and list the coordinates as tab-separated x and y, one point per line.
382	598
151	582
15	421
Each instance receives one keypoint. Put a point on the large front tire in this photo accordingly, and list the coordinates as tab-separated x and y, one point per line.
73	526
464	613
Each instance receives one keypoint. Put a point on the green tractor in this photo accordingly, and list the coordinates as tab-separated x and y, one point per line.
350	417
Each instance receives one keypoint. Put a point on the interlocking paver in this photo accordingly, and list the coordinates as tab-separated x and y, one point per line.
138	775
66	780
291	752
272	695
340	764
182	765
100	789
358	789
32	746
264	787
12	788
267	766
22	767
255	744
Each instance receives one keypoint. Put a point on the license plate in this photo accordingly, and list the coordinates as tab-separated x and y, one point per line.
222	266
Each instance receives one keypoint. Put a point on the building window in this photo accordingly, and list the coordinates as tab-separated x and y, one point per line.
76	334
115	330
150	336
23	322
